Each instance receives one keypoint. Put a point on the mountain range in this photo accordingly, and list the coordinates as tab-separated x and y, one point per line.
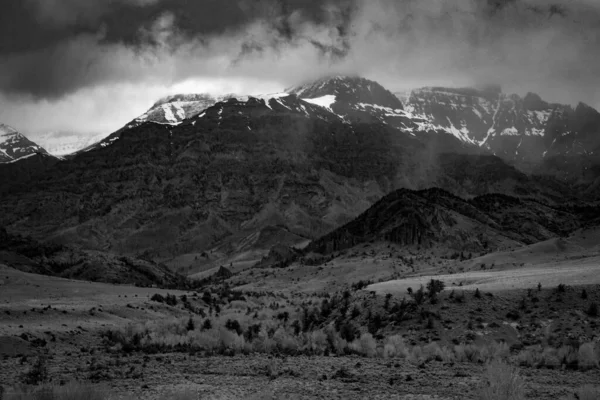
198	179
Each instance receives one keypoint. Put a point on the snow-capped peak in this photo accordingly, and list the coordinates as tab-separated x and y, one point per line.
348	90
14	146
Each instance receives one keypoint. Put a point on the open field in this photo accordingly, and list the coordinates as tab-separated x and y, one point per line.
302	315
37	303
571	272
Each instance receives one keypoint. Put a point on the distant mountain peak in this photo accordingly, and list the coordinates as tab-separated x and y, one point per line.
349	90
191	97
585	109
534	102
14	145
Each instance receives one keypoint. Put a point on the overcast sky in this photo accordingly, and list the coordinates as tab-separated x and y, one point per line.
90	66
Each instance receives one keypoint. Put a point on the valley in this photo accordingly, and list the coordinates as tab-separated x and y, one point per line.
332	241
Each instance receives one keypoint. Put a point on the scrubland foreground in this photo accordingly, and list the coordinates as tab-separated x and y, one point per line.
430	342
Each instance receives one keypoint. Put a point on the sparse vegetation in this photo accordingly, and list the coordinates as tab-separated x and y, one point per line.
38	373
502	382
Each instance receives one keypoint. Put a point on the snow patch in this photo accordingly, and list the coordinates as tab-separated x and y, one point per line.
512	131
169	116
324	101
179	110
542	116
535	132
20	158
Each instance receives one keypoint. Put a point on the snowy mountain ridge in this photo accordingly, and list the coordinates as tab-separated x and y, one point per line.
15	146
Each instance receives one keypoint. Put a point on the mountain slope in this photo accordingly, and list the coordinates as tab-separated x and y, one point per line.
223	175
28	255
14	145
436	218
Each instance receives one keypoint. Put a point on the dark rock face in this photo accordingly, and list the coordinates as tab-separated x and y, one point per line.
434	217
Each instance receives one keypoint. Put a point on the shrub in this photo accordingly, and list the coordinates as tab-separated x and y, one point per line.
434	287
433	351
394	346
158	298
587	357
337	344
419	296
348	332
38	373
365	345
231	341
315	342
234	325
467	353
207	324
561	288
263	343
190	325
459	297
285	342
568	356
502	382
592	310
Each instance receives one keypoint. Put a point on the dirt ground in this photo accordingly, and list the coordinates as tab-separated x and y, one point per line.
263	377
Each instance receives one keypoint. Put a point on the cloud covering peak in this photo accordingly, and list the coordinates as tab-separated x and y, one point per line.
83	53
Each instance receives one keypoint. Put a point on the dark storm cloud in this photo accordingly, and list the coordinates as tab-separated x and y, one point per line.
68	54
69	44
